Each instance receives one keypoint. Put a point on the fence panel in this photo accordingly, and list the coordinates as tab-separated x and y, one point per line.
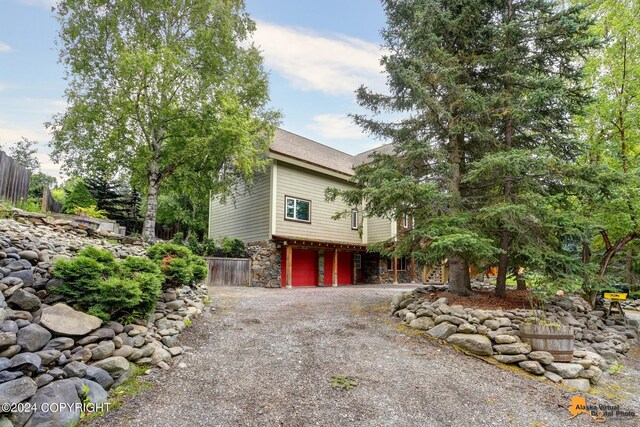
14	179
48	203
229	271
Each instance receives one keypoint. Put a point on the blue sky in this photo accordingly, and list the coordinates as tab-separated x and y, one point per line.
317	54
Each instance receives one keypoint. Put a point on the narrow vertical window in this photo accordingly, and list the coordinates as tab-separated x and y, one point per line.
355	221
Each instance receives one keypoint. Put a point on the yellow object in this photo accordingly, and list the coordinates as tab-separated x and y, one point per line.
615	296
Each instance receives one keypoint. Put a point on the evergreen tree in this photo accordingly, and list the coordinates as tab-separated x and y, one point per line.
79	196
533	83
486	89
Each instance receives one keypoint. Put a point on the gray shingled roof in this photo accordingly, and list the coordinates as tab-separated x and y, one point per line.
300	148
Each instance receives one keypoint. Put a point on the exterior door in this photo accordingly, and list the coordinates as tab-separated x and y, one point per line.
345	268
304	271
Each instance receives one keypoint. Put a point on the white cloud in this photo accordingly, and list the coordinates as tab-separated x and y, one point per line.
4	47
335	126
335	65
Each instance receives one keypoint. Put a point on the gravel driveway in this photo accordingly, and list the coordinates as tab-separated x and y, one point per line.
266	357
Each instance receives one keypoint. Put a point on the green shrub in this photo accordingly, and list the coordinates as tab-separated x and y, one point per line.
234	248
90	211
98	284
159	251
178	238
178	271
79	196
151	287
179	265
104	257
199	267
80	276
134	264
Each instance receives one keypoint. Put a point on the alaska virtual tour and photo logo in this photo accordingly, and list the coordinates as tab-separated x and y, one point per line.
598	412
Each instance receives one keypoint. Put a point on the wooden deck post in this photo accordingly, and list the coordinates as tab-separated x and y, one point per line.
335	268
289	255
395	270
355	271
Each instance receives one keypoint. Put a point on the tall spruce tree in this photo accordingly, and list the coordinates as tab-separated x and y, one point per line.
534	86
486	89
436	54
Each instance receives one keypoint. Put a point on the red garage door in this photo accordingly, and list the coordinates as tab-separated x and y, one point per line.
304	271
345	268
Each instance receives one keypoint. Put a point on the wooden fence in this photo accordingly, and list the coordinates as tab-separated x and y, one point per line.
229	271
48	203
14	180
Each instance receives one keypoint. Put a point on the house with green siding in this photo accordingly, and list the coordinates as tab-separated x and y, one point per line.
287	223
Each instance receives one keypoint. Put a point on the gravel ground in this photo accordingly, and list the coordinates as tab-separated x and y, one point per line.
266	357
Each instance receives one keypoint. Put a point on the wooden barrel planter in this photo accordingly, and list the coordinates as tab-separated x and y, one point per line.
557	340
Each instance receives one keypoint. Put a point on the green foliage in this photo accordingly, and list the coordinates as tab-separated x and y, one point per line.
78	196
616	368
90	211
102	256
134	264
123	115
159	251
178	271
179	265
31	205
178	238
24	152
485	91
37	183
108	289
342	382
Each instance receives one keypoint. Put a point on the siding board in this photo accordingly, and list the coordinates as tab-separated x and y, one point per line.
248	218
298	182
378	229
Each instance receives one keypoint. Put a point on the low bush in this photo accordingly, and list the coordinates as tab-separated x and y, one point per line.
179	265
98	284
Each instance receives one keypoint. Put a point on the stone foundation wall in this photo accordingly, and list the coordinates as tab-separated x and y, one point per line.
375	271
266	261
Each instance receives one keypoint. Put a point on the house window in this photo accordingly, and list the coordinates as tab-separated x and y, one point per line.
355	221
406	221
297	209
358	261
402	264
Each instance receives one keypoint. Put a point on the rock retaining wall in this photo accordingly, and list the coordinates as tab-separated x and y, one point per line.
51	353
265	264
495	333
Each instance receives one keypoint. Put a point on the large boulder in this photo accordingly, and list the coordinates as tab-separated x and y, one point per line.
61	395
26	362
25	275
103	350
422	323
532	367
443	331
116	366
17	390
565	370
60	343
476	344
24	300
64	320
99	376
543	357
96	394
7	339
515	348
33	337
